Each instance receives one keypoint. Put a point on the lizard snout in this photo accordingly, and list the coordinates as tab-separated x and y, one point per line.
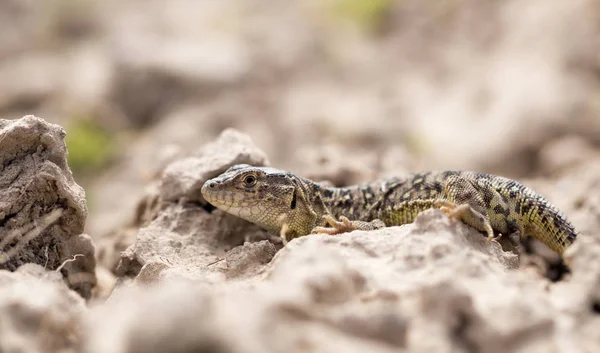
209	188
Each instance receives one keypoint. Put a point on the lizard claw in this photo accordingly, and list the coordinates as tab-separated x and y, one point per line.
446	206
490	233
447	210
344	225
493	238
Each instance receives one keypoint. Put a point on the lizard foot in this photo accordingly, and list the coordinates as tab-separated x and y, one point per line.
344	225
469	216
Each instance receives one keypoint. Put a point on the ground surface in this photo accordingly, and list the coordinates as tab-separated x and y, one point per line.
155	99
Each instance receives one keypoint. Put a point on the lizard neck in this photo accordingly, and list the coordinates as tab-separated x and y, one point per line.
306	208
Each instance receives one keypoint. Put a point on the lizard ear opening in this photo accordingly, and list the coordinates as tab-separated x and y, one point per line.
293	203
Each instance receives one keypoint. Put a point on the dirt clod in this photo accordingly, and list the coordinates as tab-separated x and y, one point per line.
38	313
35	184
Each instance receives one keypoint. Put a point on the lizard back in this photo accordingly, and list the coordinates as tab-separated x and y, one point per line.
510	206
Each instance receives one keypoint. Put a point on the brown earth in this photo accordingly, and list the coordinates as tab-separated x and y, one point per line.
332	90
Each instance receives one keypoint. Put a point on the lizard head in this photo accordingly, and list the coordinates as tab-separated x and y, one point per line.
264	196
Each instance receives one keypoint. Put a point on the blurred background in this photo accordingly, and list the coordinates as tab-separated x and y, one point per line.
342	89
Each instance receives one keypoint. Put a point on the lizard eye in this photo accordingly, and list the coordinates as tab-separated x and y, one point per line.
249	181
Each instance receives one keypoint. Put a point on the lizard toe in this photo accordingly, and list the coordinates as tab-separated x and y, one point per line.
325	230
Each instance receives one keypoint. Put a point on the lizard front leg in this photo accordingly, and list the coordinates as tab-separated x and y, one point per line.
344	225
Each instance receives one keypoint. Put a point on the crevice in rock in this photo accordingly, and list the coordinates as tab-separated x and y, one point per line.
8	217
202	204
208	207
557	270
596	306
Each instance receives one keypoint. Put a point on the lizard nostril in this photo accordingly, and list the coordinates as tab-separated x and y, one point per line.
212	184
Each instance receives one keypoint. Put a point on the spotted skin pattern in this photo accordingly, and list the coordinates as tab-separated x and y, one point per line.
293	206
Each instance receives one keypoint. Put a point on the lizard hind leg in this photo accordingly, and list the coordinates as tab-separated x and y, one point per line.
467	215
344	225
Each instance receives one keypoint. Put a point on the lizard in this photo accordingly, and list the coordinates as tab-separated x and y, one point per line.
293	206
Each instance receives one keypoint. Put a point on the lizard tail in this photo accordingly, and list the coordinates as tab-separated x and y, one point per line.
547	224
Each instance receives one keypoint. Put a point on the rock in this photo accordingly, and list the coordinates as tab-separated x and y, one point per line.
564	154
43	210
579	297
38	313
185	177
181	182
435	285
112	244
184	229
178	317
248	260
329	164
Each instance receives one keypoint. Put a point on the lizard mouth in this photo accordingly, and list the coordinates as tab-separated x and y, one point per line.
214	194
228	201
236	203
